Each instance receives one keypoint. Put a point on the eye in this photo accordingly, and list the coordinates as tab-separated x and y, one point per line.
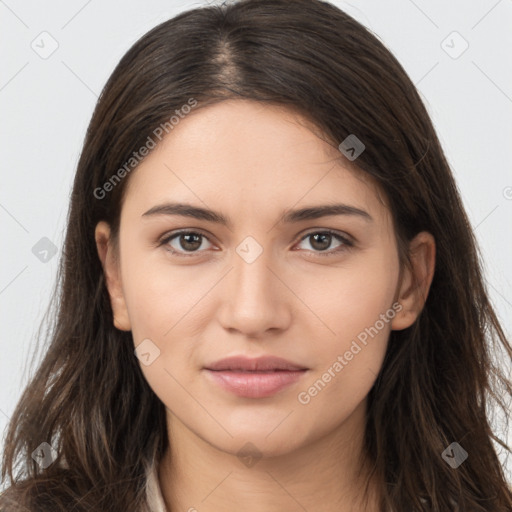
321	240
184	242
191	242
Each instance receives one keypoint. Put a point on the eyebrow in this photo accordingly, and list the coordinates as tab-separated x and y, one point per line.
289	217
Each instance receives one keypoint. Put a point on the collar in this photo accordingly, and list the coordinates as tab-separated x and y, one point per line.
153	492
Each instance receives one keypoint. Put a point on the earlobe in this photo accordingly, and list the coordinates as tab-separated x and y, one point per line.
112	274
415	282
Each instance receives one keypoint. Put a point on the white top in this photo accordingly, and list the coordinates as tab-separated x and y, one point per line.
153	491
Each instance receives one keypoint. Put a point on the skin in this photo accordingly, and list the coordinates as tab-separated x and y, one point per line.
253	162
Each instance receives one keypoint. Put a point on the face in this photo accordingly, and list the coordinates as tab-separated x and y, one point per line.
321	291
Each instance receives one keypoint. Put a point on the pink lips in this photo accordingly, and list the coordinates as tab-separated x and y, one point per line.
254	378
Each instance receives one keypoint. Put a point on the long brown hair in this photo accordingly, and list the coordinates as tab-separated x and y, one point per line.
88	398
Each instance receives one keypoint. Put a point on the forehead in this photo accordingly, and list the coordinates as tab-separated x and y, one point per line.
251	156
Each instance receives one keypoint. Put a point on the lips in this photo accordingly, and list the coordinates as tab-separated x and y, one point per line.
260	364
254	378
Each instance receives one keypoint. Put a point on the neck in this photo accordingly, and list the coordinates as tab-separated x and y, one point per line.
324	475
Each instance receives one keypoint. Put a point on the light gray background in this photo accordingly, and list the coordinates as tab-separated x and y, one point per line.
46	104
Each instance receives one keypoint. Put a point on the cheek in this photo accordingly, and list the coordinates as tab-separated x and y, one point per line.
358	307
159	295
351	298
164	304
348	370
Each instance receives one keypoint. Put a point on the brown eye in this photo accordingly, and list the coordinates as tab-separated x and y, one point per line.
321	241
190	241
184	242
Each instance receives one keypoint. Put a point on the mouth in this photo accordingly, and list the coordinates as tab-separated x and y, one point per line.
260	364
255	384
254	378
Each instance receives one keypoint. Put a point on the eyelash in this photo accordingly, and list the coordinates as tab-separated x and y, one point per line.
346	243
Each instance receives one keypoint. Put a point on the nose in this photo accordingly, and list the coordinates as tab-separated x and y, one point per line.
254	298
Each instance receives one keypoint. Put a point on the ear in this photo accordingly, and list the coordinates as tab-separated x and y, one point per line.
415	283
112	274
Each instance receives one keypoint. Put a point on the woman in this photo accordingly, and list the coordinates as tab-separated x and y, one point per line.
271	297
